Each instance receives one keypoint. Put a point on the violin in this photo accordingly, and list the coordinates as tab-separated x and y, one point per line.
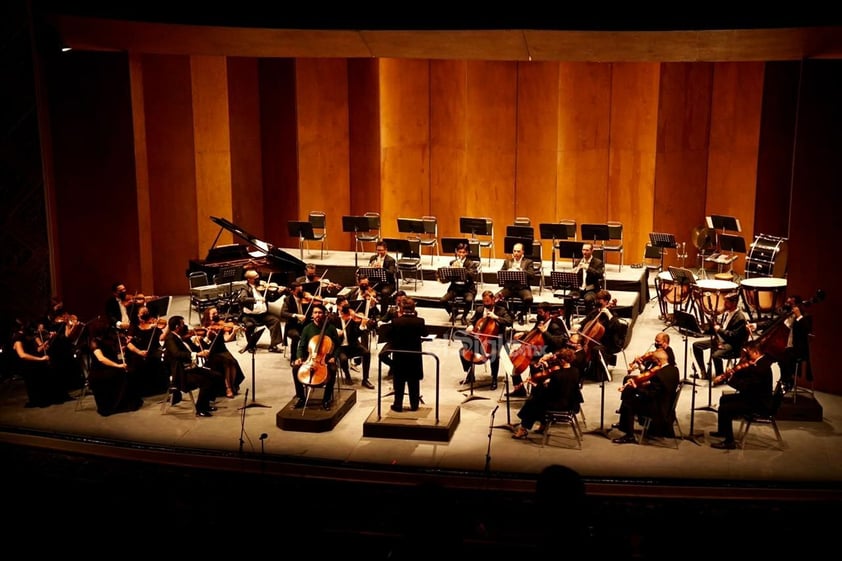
268	287
642	362
725	376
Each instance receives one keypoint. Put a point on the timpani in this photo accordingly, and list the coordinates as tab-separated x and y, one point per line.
710	295
763	295
671	292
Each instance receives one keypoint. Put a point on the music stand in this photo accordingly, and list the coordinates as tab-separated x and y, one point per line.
564	281
251	346
160	307
372	274
302	230
554	232
355	224
509	243
518	231
682	277
511	278
601	431
720	222
411	226
570	249
595	232
734	244
448	245
689	326
474	226
662	241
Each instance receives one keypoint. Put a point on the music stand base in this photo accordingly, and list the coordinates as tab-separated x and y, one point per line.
601	432
694	438
708	408
252	404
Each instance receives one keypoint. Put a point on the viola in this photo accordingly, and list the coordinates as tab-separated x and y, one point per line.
725	376
314	371
486	329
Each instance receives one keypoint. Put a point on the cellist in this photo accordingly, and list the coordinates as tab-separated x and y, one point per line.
548	336
318	351
595	326
486	334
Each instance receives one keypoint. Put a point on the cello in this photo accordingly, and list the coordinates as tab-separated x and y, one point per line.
486	329
314	371
531	343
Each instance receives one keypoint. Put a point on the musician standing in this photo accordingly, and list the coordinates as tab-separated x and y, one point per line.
294	314
485	340
466	289
116	309
730	332
753	381
797	350
590	272
350	327
256	312
518	262
382	260
314	357
404	334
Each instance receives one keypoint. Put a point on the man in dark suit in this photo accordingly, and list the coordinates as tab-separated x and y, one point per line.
590	272
485	338
752	379
116	309
185	375
404	334
797	350
382	260
519	262
730	333
652	394
466	289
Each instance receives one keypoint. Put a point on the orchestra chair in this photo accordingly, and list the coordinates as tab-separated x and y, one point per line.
747	421
318	220
488	243
522	221
202	294
373	233
409	265
646	422
431	236
166	404
566	418
615	240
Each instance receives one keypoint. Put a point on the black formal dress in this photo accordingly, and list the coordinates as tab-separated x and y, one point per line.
115	389
150	369
44	385
404	334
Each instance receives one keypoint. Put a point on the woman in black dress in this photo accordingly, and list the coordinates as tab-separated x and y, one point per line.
44	385
220	358
115	387
144	353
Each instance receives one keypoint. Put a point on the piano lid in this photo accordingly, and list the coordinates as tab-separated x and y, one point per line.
263	248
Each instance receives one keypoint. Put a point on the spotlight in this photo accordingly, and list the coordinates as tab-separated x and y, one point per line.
65	48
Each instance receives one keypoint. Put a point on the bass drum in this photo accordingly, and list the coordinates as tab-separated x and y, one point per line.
767	257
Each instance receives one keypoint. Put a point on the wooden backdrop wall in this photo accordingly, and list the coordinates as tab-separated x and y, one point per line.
147	147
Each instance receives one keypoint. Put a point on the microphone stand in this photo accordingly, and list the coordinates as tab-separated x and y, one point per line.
488	450
243	420
251	347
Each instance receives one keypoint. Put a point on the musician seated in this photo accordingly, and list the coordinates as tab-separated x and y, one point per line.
517	262
486	336
382	260
548	336
467	289
647	360
729	335
316	358
328	289
651	394
254	304
590	271
752	378
555	388
182	359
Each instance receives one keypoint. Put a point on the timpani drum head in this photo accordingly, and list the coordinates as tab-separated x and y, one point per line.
710	295
763	294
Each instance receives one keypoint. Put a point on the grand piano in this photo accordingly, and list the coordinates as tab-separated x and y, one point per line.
229	261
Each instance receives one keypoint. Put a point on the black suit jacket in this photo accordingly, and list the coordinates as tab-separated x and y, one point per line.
390	266
754	384
404	333
594	274
527	266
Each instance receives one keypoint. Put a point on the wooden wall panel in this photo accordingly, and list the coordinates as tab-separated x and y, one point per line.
633	133
735	125
146	251
211	133
583	139
491	118
364	134
172	171
245	144
537	107
323	147
681	167
405	141
280	200
449	183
